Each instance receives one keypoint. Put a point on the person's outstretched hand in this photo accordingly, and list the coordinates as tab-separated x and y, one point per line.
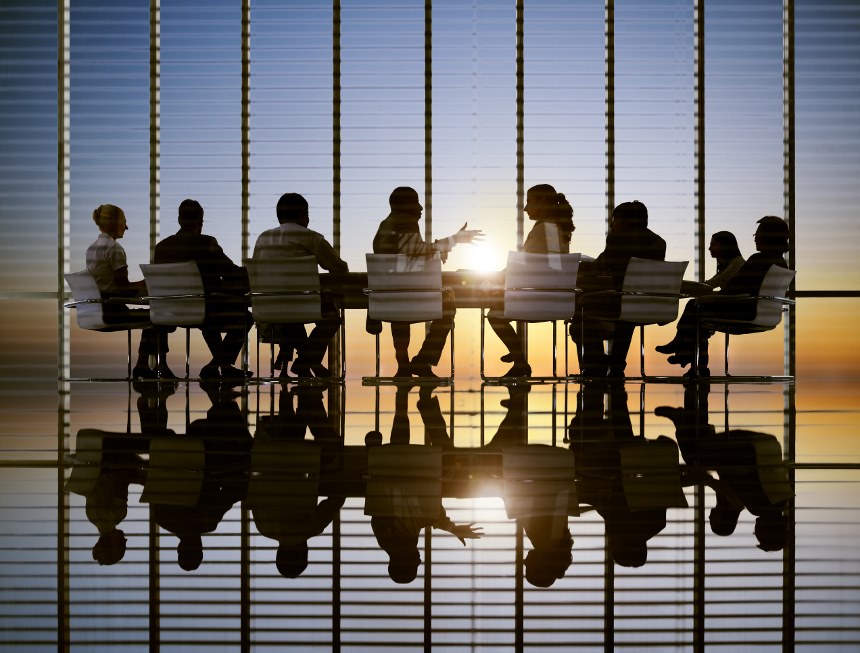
470	531
468	235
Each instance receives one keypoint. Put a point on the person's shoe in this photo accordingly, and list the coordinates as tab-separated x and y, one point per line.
670	412
230	372
615	373
423	370
508	358
143	372
404	371
518	370
166	373
668	348
693	374
210	371
679	359
301	369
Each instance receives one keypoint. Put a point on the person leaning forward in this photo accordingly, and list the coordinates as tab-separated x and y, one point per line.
399	233
293	238
224	283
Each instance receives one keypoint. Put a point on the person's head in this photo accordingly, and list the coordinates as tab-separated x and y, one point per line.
191	215
724	246
292	559
110	220
539	199
190	552
110	547
723	519
292	207
771	235
629	216
403	565
404	199
771	531
546	565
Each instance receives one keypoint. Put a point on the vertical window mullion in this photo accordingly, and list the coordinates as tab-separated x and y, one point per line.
609	31
154	122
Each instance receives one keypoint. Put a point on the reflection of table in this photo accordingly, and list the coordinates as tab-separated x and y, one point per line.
695	288
466	284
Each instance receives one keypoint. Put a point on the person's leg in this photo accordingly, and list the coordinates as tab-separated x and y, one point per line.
311	353
623	334
400	335
509	337
431	350
588	334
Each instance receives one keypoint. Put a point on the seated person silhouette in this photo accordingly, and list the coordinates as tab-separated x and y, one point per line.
285	484
551	234
107	263
227	444
404	490
631	481
628	236
224	283
293	238
541	496
399	233
771	241
752	472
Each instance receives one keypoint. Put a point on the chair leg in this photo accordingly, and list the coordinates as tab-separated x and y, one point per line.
554	354
481	362
642	350
727	354
377	355
128	355
453	324
187	353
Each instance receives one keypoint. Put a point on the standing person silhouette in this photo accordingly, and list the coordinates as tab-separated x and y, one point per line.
107	262
399	233
551	234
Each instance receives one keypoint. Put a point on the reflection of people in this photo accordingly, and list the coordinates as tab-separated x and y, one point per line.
227	443
283	494
290	239
106	261
631	481
540	495
752	473
551	234
628	236
225	312
771	241
399	233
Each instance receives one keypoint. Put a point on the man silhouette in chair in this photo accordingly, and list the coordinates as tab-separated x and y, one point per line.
628	236
225	284
291	239
399	233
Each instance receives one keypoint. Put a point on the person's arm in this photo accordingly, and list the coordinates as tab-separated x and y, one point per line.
722	278
461	531
328	258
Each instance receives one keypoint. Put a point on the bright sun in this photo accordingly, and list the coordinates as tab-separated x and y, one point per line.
485	257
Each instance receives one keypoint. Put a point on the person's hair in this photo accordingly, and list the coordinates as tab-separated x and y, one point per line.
402	196
190	213
558	209
723	519
634	214
292	560
545	565
775	233
729	246
190	552
771	531
110	547
291	207
403	563
107	214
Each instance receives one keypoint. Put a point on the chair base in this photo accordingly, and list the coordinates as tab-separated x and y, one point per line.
407	380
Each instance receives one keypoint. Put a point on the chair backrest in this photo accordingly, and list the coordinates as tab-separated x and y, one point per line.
176	295
404	288
284	290
775	284
540	287
404	481
90	310
659	283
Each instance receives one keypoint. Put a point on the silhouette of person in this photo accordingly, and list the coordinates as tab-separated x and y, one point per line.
399	233
411	504
630	481
227	445
283	497
628	236
291	239
107	263
551	234
224	283
752	473
541	503
771	241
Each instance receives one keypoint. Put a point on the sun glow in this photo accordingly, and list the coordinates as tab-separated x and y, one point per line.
484	257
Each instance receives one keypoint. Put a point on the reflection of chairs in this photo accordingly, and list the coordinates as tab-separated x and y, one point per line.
649	295
286	291
402	288
175	472
539	288
89	307
769	306
176	298
404	481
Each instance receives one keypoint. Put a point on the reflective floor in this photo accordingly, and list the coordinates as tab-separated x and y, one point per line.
587	516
